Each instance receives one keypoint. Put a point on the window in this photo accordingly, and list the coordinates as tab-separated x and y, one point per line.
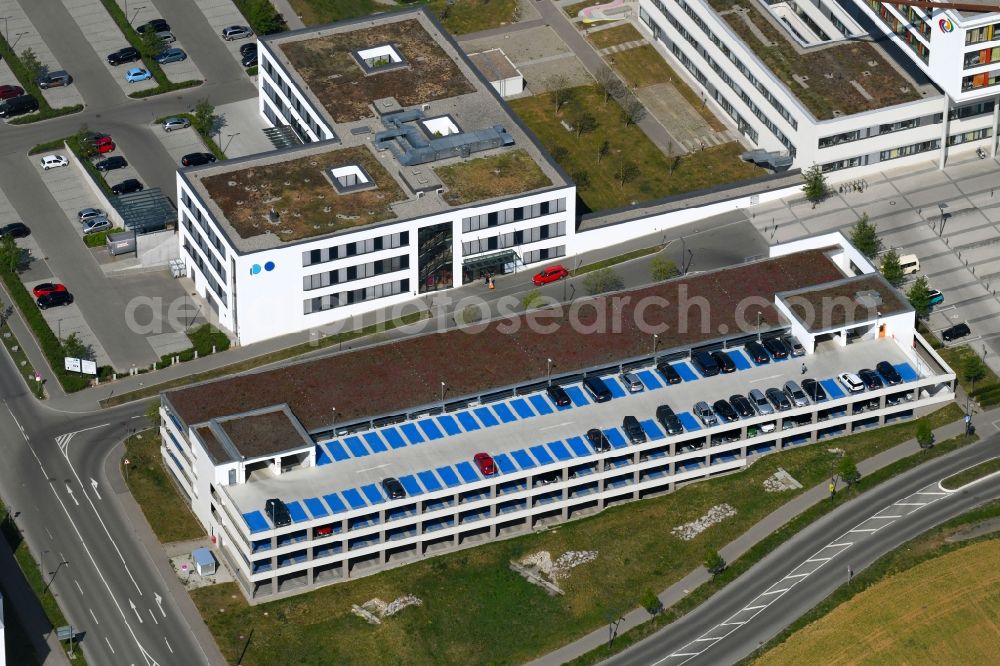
364	246
496	218
358	272
340	299
503	241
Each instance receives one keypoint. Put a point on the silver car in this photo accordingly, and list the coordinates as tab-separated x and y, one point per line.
760	403
171	124
796	394
705	414
794	346
89	214
96	224
631	382
236	32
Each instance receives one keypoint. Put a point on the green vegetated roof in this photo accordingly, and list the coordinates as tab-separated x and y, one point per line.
507	173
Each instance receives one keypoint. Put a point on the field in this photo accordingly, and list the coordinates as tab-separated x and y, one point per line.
619	34
459	17
152	488
943	611
642	66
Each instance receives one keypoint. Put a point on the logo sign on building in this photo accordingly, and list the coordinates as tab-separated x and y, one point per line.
946	25
72	364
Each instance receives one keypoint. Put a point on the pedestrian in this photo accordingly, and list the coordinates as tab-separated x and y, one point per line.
850	573
803	368
833	489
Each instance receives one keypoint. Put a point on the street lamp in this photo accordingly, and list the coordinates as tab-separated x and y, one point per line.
655	339
18	37
6	33
333	422
229	138
134	14
442	391
548	371
759	313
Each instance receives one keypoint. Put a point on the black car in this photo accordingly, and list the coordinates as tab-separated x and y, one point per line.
870	379
778	399
248	48
558	395
15	230
955	332
122	56
598	440
776	347
757	353
669	373
742	406
15	106
597	388
277	512
665	415
813	389
393	488
633	429
53	299
889	373
725	361
127	187
724	411
156	25
111	163
250	59
705	364
197	159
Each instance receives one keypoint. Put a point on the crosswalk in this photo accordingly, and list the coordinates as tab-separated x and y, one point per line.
63	442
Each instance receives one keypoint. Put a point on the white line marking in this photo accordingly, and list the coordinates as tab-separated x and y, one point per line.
865	530
78	586
800	575
911	504
763	379
820	559
109	645
885	517
93	616
558	425
705	640
51	538
132	604
168	645
928	492
841	544
368	469
736	624
685	654
753	608
775	591
72	496
152	616
93	485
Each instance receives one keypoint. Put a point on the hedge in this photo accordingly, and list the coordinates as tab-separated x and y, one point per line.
100	239
45	111
202	339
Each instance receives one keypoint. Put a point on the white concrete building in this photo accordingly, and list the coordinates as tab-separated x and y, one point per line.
414	177
507	79
803	84
236	444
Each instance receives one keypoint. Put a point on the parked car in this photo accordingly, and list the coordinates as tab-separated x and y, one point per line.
248	48
558	395
55	298
889	373
173	123
757	353
250	59
760	402
137	74
6	92
111	163
776	348
550	274
323	531
955	332
597	388
851	382
813	389
393	488
16	106
669	373
96	224
15	230
127	187
46	288
935	297
156	25
725	411
53	162
796	394
705	364
197	159
104	146
122	56
633	430
725	361
742	405
55	79
632	382
795	347
88	213
236	32
705	414
598	440
871	379
778	399
277	512
171	55
484	461
671	424
166	36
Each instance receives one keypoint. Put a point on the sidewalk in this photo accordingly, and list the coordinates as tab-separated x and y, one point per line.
733	550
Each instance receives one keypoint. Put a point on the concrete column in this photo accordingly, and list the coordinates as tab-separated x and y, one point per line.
672	450
945	124
996	126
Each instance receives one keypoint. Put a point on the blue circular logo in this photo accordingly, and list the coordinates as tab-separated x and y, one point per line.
269	266
255	269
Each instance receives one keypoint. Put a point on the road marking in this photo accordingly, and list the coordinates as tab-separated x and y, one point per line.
93	616
705	640
764	379
109	645
820	559
928	492
753	608
886	517
842	543
72	496
159	603
93	485
685	654
764	594
152	616
168	645
51	538
865	530
368	469
800	575
736	624
910	504
558	425
77	584
132	604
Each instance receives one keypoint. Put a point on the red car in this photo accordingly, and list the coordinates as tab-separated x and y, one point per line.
550	274
46	288
6	92
485	464
102	142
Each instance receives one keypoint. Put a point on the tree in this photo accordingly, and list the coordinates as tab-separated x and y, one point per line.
848	471
892	270
85	146
651	602
530	299
601	281
584	122
920	297
581	178
603	149
608	84
204	117
562	94
662	269
627	172
972	367
864	236
265	19
632	110
559	153
153	412
150	44
925	436
35	68
715	563
10	254
73	346
814	185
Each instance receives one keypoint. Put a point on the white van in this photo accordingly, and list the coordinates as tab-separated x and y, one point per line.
909	263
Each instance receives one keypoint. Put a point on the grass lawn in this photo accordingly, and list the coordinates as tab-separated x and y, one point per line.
986	390
490	177
153	489
460	17
619	34
473	604
621	258
317	12
968	476
642	66
658	176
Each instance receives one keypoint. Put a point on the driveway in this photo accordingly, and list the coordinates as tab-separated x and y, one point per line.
222	14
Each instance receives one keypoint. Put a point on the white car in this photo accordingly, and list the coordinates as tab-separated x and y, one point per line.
53	161
851	382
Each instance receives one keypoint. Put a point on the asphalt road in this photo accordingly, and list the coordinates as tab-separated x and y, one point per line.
809	567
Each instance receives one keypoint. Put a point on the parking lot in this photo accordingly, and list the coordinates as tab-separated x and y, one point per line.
105	37
222	14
